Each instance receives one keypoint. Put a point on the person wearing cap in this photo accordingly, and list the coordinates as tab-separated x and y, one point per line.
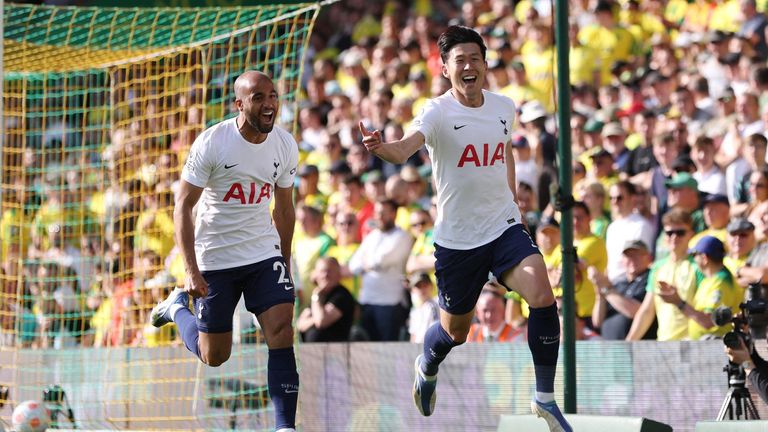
675	269
617	304
716	211
756	268
740	242
490	325
709	177
373	183
331	312
601	170
479	228
613	142
308	190
424	308
627	225
683	193
717	288
543	144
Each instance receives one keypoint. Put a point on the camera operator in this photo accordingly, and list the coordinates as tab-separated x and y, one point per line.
754	366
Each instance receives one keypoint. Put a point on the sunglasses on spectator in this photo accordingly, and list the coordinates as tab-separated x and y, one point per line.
617	198
419	223
677	232
347	222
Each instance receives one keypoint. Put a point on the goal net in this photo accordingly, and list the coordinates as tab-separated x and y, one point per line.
100	107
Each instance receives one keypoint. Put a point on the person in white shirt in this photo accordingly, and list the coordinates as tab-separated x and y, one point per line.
381	260
235	247
479	229
627	225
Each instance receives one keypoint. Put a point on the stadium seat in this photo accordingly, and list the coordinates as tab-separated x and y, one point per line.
732	426
583	423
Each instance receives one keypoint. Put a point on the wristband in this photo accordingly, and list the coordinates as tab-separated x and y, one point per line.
681	305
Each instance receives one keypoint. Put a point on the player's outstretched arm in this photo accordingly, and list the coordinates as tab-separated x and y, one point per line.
284	216
396	152
184	225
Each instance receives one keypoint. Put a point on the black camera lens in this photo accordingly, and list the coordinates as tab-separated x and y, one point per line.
731	339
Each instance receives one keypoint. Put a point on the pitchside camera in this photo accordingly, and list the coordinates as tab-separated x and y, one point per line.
752	313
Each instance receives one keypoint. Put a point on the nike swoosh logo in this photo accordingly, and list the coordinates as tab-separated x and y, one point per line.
458	127
550	342
291	391
288	287
230	166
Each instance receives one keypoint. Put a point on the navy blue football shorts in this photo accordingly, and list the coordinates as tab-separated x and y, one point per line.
461	274
263	284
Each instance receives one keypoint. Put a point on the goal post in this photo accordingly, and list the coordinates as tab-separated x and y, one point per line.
100	106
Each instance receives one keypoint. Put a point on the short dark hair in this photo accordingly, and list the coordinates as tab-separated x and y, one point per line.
581	205
455	35
392	204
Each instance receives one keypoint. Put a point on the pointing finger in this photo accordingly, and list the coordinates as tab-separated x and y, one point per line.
363	130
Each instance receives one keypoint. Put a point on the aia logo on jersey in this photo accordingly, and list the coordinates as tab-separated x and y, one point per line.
482	156
237	193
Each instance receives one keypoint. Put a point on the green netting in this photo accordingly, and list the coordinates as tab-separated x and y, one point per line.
101	106
94	28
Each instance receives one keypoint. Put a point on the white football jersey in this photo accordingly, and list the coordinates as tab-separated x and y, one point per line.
233	226
468	151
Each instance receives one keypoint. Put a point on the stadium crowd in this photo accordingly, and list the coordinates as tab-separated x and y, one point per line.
668	132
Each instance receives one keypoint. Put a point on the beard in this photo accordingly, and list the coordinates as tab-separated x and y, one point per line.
261	126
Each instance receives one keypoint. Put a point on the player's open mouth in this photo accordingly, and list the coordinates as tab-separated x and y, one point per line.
469	79
268	116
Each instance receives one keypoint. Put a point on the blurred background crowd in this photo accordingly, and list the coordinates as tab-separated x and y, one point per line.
668	132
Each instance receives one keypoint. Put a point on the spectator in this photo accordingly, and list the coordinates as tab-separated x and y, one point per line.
594	198
683	194
753	28
491	326
627	225
331	311
424	308
758	199
347	242
753	160
381	260
756	268
613	142
353	201
677	270
716	217
717	288
617	304
741	242
708	175
422	258
526	169
309	244
308	191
